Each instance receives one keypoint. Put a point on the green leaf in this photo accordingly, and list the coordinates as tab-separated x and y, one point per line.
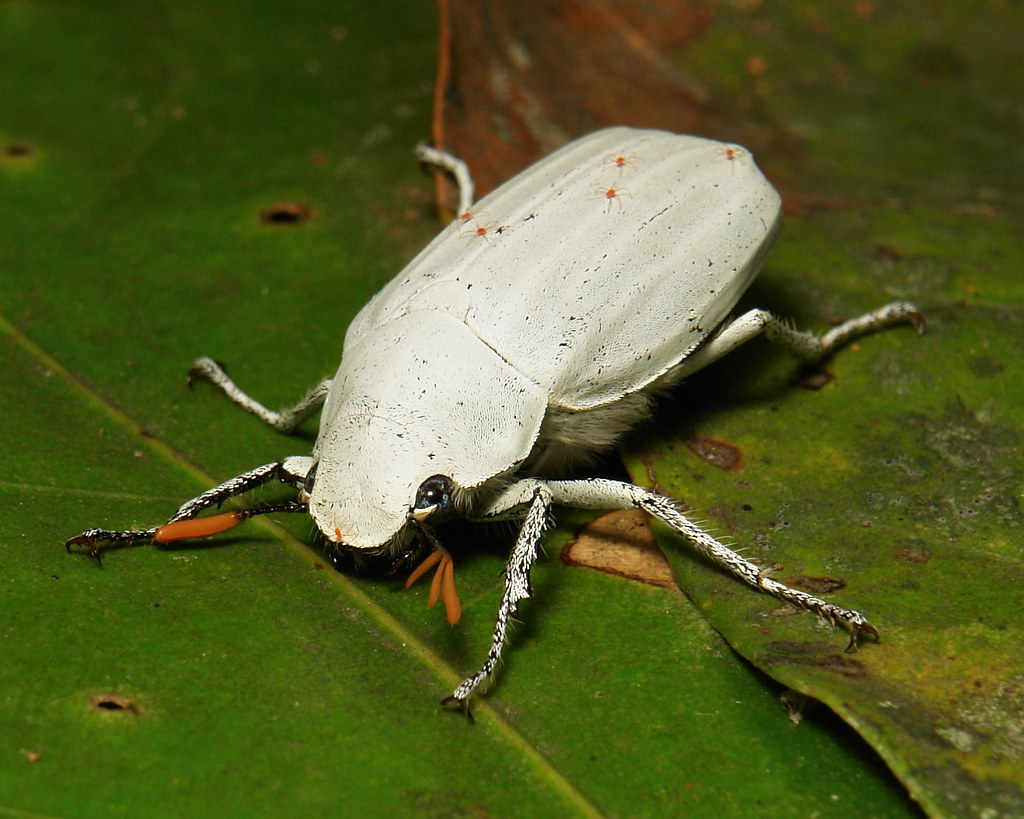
139	146
901	478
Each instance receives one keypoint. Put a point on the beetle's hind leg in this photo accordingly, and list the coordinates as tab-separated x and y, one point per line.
806	346
284	421
456	167
811	347
291	472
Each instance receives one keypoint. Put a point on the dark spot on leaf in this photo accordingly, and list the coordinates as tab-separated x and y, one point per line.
791	652
842	664
885	253
815	585
914	555
285	213
717	453
937	62
985	366
115	702
813	380
18	150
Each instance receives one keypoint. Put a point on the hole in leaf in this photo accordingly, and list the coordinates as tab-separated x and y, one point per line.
115	702
886	253
285	213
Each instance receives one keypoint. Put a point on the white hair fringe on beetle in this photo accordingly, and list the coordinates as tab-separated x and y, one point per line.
530	334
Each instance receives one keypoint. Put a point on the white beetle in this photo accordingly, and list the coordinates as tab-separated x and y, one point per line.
530	334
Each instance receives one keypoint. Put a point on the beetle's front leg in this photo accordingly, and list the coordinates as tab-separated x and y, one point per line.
517	579
291	471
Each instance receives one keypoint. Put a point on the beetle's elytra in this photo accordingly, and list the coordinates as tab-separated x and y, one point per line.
531	333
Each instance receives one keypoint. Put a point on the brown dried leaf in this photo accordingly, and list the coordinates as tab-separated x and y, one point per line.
517	80
621	543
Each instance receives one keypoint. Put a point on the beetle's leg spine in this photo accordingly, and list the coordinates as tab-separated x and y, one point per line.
238	485
665	510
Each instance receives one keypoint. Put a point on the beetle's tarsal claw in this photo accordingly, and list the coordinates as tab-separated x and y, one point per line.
90	542
193	374
463	706
855	633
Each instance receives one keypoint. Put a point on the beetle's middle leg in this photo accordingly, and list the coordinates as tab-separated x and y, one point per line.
807	346
284	421
598	493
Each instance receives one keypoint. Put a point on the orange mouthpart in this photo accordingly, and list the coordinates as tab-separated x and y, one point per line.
443	585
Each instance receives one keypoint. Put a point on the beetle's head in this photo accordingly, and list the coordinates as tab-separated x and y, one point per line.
420	415
375	480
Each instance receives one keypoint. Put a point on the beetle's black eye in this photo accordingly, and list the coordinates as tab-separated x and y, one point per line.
307	484
434	499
